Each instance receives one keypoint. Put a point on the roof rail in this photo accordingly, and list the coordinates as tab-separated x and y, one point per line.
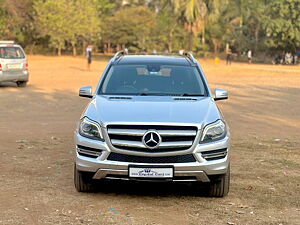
119	54
189	55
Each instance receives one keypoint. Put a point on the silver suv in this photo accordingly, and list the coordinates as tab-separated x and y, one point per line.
13	64
153	118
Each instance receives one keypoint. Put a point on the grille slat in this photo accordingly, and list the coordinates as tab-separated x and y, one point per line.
142	159
129	137
134	132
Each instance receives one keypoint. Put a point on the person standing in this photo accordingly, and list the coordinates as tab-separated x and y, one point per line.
228	55
249	55
89	50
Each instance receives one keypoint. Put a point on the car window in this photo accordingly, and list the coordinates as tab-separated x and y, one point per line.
11	53
153	80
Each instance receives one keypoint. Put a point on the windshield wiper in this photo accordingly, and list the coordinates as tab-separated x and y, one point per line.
169	94
187	94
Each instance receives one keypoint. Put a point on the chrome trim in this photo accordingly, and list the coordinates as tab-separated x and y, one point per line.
102	173
133	132
176	144
214	155
125	143
152	133
141	132
88	152
200	175
137	144
177	132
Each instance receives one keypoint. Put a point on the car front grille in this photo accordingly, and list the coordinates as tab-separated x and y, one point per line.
173	138
142	159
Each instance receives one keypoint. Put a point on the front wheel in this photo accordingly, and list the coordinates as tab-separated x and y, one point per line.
22	83
83	181
219	186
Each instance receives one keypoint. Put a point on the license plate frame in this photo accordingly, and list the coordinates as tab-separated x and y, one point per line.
15	66
150	172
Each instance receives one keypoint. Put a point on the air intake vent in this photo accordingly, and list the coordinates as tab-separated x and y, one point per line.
143	159
119	98
185	99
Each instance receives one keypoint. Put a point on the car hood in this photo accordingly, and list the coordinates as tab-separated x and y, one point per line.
196	111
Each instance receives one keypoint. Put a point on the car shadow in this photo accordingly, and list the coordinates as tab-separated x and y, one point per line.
151	189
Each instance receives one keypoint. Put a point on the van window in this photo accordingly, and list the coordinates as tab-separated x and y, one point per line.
11	53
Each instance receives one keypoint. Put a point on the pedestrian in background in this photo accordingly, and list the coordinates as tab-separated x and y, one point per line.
228	55
249	55
89	50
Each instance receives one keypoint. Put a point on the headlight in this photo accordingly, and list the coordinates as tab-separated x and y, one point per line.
214	131
90	129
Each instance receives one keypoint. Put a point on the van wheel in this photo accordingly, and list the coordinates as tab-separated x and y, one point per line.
83	181
22	83
219	186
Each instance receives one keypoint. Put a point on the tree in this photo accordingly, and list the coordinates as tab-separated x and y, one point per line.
2	20
217	24
193	13
16	20
129	26
168	35
67	21
53	20
282	24
85	23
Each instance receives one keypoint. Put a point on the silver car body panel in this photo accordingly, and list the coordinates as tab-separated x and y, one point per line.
13	70
158	111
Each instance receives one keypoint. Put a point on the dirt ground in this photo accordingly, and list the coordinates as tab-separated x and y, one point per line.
36	152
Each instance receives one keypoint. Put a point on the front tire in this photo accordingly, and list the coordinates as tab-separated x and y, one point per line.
83	181
22	83
219	186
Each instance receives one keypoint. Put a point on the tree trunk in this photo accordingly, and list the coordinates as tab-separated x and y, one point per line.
170	46
203	34
83	47
170	42
74	49
59	50
256	36
191	40
108	47
215	44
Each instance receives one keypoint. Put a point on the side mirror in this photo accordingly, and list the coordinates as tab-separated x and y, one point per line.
86	92
220	94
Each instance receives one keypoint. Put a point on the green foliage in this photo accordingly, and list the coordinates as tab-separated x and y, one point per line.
130	26
2	20
282	24
168	35
67	20
53	20
197	25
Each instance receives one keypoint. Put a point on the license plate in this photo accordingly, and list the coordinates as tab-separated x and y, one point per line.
151	172
14	66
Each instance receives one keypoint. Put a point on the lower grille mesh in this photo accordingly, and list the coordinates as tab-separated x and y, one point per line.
143	159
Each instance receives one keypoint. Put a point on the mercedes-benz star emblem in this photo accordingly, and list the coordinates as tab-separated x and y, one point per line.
151	139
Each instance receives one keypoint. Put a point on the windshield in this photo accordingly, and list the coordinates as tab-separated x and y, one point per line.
11	53
153	80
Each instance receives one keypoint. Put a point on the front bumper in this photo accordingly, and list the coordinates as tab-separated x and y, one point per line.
193	171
